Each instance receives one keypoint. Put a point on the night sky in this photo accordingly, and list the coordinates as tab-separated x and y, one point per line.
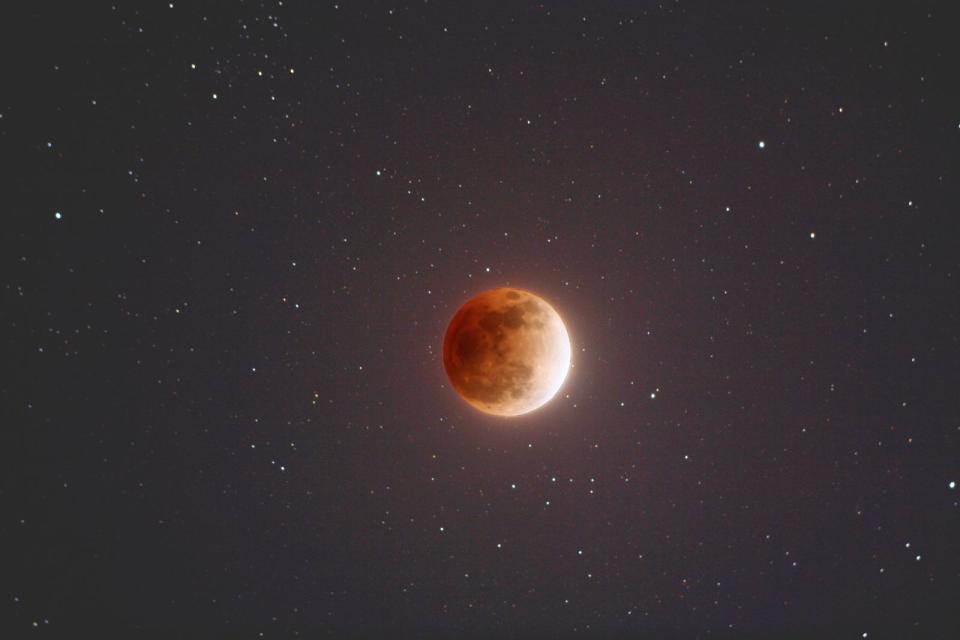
234	235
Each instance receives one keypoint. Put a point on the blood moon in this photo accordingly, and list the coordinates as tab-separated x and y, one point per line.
506	351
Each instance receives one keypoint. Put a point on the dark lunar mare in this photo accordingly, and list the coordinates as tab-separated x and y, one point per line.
479	364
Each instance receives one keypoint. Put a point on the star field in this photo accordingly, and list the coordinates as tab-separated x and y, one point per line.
235	235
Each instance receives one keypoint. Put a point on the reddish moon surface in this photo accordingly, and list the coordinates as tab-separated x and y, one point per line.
506	351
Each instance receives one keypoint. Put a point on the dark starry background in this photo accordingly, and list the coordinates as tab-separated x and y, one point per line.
234	234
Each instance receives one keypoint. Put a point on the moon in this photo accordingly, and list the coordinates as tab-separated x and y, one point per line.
506	351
